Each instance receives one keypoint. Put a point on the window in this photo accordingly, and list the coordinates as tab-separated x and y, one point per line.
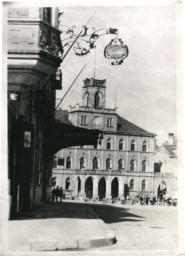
109	122
132	165
131	184
144	166
143	185
121	144
68	162
120	164
97	100
53	182
61	161
83	120
54	162
144	146
132	145
68	182
87	99
108	164
47	15
95	163
109	144
82	162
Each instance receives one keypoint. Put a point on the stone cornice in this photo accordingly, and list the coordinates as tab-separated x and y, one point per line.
41	52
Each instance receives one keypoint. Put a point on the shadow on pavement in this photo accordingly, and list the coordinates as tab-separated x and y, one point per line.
112	214
108	213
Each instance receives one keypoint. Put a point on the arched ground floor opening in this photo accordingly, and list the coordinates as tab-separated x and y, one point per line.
162	190
68	183
89	187
78	180
114	188
102	188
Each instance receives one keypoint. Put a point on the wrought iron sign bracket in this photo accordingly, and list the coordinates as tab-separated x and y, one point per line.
116	51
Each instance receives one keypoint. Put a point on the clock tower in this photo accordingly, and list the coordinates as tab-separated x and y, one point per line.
94	93
92	114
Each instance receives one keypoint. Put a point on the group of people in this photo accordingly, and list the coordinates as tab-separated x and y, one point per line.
56	194
156	200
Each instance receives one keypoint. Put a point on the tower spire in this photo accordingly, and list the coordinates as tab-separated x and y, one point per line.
95	63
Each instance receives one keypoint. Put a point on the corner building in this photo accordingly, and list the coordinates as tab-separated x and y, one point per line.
121	164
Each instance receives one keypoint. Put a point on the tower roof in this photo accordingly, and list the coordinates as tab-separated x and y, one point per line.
91	82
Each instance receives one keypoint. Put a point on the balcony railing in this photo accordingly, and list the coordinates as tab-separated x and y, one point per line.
78	107
163	175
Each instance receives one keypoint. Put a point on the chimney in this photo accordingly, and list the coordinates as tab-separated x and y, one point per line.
171	138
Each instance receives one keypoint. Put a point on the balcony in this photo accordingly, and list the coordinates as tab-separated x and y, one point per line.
97	172
143	174
83	108
163	175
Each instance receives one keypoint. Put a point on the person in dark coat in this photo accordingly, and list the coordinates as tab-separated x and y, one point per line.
57	193
147	199
60	194
53	194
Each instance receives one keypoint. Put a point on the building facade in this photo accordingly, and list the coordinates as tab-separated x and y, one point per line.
123	162
34	57
165	168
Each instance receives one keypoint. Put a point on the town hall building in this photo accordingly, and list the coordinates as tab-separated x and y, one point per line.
121	165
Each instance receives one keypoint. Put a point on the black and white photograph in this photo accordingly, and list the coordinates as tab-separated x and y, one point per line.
92	128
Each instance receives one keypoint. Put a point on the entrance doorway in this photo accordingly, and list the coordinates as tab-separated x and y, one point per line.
102	188
162	190
89	187
114	188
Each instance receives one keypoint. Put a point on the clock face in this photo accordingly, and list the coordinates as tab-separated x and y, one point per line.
97	120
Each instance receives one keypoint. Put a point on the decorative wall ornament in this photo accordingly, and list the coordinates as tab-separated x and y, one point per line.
50	41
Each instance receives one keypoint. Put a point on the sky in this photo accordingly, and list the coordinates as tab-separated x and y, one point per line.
145	85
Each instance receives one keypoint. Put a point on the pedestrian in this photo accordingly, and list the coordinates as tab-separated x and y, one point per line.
60	194
57	193
53	194
147	199
141	200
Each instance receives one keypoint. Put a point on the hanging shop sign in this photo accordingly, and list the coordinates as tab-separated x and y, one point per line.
27	139
116	51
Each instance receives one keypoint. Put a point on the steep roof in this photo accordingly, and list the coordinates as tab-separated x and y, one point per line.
62	116
123	126
127	127
170	149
